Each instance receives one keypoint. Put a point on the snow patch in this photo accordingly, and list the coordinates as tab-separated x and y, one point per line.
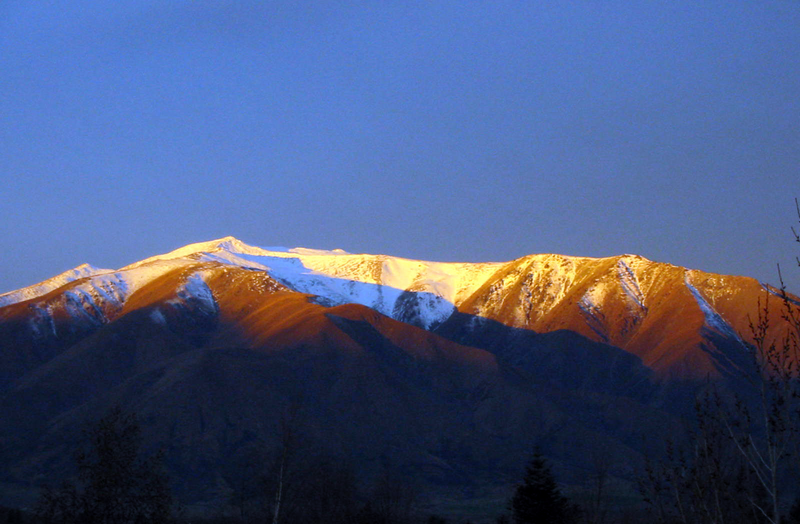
196	290
590	302
630	284
712	318
51	284
157	316
590	306
112	288
778	293
80	305
41	322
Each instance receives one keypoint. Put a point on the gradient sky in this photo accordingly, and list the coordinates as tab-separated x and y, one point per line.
445	130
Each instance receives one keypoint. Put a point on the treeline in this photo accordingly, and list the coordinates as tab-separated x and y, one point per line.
115	484
739	463
706	478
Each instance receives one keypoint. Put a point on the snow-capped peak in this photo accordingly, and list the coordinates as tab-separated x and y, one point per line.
234	246
416	291
46	286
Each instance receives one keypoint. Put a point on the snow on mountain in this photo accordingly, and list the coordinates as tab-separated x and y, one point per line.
215	325
195	289
413	291
532	292
591	305
417	292
712	317
656	311
46	286
630	284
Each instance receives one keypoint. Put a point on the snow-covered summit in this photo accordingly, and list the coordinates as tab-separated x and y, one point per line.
621	300
51	284
521	292
420	292
222	247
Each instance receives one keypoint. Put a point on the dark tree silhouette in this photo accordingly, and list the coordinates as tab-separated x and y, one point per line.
794	514
114	485
538	499
10	515
391	500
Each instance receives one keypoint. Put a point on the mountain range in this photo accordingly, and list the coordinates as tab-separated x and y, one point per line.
449	373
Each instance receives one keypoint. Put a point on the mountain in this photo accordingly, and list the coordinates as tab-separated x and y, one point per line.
450	372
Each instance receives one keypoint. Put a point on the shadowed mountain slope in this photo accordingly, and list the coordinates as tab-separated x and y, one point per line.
450	372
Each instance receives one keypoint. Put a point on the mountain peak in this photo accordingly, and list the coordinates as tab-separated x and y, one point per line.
605	299
42	288
235	246
239	326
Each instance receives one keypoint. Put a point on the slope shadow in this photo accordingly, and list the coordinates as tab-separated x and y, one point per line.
554	389
564	358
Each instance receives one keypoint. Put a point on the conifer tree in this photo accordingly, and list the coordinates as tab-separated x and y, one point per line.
538	500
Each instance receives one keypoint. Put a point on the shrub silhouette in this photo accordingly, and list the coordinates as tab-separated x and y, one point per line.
114	484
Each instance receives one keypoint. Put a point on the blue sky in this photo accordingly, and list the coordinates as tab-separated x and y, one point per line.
435	130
